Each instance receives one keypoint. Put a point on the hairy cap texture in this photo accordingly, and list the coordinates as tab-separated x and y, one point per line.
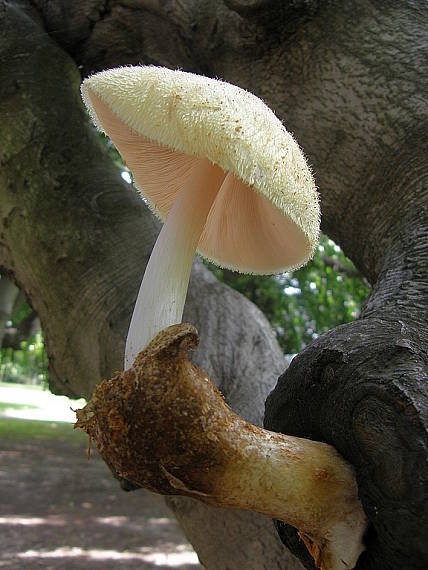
198	117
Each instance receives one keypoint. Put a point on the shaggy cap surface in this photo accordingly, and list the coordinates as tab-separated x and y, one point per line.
266	217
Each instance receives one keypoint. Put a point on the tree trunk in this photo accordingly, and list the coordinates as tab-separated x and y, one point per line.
347	79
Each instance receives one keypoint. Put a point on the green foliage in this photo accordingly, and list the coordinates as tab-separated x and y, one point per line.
306	303
29	363
12	429
112	151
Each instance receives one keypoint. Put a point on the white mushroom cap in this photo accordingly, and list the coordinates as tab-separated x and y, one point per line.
266	216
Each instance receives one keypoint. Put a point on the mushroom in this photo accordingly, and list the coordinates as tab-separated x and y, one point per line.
215	162
232	183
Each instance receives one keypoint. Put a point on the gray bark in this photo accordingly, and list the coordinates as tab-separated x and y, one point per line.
347	78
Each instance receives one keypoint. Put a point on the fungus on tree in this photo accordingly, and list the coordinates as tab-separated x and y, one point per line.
231	182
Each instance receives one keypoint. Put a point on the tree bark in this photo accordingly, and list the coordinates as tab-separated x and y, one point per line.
347	78
369	401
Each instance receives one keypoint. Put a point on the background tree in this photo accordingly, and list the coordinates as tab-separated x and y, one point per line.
347	78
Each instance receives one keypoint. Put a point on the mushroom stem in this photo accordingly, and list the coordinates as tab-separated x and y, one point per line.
163	290
304	483
164	425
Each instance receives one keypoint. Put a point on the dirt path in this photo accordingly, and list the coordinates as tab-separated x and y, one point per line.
59	511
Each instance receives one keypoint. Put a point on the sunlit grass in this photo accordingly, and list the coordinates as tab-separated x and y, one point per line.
12	429
29	387
4	406
20	401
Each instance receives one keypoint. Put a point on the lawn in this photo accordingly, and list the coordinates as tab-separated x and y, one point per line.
59	510
13	429
34	403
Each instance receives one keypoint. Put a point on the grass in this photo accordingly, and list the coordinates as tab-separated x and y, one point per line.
35	403
38	399
34	387
12	429
15	406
